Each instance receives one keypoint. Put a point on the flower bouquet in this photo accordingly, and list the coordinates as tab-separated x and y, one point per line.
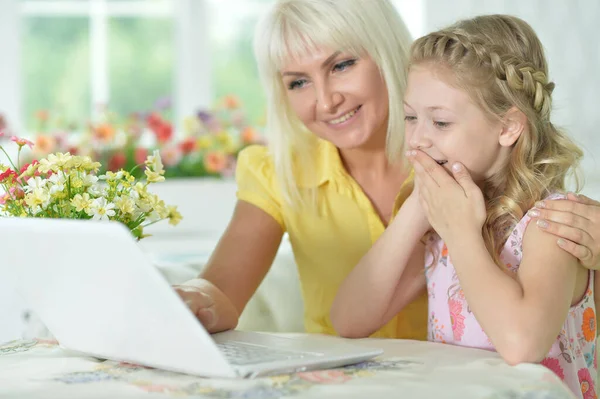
62	185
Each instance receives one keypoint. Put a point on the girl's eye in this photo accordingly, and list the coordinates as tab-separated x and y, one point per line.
342	66
441	125
408	118
296	84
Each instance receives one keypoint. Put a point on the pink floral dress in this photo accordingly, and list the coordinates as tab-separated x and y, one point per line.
573	355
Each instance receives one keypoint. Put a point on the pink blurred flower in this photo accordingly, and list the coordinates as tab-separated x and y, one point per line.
171	155
22	142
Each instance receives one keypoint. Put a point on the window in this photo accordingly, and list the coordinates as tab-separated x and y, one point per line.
83	55
72	57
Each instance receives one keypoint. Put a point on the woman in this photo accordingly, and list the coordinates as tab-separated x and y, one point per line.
333	176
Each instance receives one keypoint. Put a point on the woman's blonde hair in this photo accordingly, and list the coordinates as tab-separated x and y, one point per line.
500	62
296	28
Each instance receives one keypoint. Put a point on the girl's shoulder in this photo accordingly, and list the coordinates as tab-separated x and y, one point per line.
513	248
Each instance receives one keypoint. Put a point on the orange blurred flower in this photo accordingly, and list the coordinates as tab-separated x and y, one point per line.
45	144
231	102
104	132
249	135
215	161
42	115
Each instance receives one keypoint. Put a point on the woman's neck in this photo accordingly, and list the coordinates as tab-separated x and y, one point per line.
370	163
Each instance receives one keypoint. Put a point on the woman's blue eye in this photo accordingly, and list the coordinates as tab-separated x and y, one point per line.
410	118
341	66
441	124
296	84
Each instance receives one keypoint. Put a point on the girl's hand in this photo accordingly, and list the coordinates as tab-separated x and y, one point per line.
576	221
453	205
413	202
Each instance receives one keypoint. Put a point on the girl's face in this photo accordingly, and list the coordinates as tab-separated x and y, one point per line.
339	97
445	123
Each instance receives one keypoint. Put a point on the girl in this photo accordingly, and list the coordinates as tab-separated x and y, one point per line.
478	103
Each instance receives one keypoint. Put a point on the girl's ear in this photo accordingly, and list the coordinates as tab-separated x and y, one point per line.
514	122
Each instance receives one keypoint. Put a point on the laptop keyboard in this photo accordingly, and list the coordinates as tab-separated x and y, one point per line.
241	353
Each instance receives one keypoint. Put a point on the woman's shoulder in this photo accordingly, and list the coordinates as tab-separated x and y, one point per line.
256	159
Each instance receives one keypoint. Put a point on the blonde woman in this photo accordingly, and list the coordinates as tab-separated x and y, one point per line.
334	174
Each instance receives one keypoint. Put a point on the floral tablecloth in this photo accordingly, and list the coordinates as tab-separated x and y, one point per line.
34	369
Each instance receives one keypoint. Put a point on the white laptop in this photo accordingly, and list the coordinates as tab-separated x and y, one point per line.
98	293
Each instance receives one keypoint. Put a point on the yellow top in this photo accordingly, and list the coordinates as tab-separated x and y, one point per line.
329	243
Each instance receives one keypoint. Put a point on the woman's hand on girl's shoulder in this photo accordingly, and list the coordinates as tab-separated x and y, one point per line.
576	223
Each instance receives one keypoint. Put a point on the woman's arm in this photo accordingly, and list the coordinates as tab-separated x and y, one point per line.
237	266
576	223
386	279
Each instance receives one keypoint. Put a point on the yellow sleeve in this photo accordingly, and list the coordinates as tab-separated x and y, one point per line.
256	183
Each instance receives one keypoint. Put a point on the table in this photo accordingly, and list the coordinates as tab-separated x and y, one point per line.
35	369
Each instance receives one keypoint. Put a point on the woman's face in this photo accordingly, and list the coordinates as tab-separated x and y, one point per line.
339	97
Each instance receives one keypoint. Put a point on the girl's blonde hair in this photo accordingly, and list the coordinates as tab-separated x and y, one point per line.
296	28
500	62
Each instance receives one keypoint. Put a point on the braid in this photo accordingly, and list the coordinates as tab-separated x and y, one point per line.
519	75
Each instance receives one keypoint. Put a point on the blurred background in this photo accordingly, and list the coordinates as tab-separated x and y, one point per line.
66	62
109	70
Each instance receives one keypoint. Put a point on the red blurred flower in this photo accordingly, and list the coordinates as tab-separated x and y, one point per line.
188	145
140	155
117	161
8	175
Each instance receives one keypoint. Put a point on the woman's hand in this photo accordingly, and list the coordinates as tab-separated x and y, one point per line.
576	221
208	304
454	205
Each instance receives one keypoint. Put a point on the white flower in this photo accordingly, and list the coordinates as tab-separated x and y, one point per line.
38	196
101	209
59	159
81	202
154	216
58	183
89	180
34	183
125	204
154	163
97	190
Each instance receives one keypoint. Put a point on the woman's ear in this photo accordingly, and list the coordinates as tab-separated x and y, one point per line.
514	124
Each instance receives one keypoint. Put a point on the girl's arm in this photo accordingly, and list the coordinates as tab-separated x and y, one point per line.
522	316
386	279
597	294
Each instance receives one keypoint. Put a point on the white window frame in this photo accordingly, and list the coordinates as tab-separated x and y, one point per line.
192	75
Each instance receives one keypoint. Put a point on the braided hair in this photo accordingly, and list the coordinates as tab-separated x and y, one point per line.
499	61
